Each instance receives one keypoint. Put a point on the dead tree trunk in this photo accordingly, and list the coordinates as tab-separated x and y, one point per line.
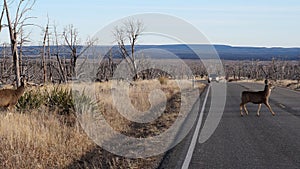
14	47
43	56
63	76
15	27
49	58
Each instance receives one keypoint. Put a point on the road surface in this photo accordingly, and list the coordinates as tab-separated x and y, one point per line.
249	141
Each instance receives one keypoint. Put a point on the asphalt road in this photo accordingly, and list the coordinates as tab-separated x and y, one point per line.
249	141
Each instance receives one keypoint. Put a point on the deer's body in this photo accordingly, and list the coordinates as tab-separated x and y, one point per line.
260	97
10	97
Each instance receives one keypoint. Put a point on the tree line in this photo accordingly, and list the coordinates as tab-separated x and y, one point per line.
62	54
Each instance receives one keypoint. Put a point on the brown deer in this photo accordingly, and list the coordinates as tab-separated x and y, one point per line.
258	97
10	97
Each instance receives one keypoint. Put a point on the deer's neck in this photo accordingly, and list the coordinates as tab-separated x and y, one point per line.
20	90
267	91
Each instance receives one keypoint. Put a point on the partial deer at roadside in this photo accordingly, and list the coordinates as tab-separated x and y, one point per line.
10	97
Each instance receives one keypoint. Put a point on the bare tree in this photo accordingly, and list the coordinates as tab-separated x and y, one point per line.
4	74
129	33
46	35
62	72
22	41
1	17
15	27
70	35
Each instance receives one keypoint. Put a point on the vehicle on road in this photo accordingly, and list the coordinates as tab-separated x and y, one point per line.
213	77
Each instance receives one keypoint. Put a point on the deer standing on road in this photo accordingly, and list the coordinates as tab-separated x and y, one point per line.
257	98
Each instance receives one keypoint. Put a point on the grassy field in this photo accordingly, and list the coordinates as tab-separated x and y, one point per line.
43	136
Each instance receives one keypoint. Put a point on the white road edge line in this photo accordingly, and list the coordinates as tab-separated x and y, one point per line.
190	152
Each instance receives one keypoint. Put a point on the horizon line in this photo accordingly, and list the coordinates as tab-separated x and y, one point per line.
170	44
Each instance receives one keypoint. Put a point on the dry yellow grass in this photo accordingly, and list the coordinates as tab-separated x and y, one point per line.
38	139
139	98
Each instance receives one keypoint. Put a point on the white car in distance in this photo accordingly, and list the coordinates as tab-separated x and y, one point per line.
213	77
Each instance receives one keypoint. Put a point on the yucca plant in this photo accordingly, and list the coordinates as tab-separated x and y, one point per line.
61	99
82	102
31	99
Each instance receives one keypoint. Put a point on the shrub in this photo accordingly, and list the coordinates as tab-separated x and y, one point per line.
163	80
61	99
83	102
32	99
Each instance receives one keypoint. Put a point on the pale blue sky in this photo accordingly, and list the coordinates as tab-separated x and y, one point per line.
232	22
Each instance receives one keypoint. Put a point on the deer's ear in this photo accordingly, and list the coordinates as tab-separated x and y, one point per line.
24	78
266	81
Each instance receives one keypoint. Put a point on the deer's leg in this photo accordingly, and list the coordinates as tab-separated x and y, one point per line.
269	107
245	109
259	106
241	109
9	109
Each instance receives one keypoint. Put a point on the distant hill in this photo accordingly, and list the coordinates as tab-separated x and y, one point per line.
184	52
261	53
232	53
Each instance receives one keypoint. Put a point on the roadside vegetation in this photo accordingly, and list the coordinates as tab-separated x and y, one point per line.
290	84
43	131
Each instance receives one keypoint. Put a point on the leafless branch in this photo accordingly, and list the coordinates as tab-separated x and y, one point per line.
2	14
130	32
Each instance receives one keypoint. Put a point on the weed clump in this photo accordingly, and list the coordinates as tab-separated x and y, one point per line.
163	80
58	99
